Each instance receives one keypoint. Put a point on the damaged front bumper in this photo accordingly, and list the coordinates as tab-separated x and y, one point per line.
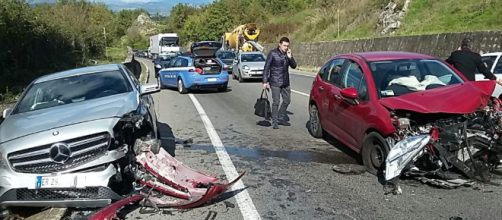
83	189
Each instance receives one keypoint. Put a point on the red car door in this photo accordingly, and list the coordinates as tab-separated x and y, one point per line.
350	120
325	89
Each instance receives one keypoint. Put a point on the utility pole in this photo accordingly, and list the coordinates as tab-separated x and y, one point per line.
106	49
338	20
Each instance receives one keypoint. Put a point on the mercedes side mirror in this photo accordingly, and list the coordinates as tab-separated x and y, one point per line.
6	112
149	89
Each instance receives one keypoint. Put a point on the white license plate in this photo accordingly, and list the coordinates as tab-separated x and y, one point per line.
55	182
212	80
258	72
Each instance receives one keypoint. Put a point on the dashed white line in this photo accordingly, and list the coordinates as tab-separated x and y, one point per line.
248	210
301	93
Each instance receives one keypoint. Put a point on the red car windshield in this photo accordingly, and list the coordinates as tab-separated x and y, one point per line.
399	77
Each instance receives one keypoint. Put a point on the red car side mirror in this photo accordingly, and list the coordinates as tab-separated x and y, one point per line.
349	93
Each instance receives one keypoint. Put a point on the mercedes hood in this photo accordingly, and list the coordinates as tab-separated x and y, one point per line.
22	124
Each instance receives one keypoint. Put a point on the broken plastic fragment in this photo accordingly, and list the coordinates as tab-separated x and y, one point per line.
110	212
402	153
176	184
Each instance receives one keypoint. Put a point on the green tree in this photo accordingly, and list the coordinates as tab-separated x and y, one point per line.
178	16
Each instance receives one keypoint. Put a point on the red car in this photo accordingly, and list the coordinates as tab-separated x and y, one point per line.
370	101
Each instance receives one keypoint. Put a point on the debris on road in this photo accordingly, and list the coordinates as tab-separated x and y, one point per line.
163	181
169	183
49	214
353	169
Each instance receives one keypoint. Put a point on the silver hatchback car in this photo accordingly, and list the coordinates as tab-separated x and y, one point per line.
66	141
249	65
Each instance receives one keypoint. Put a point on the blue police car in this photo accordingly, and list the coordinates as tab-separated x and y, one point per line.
200	70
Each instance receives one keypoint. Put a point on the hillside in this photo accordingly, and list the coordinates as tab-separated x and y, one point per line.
369	18
326	20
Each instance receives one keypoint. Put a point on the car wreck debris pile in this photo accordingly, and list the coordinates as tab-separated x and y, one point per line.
446	150
162	181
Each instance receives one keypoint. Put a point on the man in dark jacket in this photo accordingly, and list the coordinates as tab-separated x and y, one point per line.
276	77
469	62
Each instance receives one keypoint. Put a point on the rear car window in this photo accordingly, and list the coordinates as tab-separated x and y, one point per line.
73	89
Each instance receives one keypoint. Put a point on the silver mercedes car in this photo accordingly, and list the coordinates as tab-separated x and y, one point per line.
66	142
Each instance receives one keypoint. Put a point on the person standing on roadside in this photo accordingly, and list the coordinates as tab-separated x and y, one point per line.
276	77
469	62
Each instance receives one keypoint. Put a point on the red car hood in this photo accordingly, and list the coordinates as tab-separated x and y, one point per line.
455	99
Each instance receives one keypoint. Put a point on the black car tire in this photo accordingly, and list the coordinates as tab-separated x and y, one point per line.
374	152
181	87
315	127
240	77
223	88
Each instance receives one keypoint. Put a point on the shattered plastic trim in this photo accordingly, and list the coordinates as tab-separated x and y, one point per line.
402	153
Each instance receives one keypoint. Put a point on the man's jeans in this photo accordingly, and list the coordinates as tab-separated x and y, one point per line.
277	92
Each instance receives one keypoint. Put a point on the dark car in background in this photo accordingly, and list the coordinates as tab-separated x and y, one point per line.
139	53
161	62
227	58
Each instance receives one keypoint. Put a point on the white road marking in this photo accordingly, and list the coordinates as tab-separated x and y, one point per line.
148	73
246	205
303	74
301	93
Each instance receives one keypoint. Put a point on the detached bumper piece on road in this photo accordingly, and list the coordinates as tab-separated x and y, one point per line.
166	182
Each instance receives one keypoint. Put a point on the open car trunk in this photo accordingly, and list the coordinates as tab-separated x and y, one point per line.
204	54
208	65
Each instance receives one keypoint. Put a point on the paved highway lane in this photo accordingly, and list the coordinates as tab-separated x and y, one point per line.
289	173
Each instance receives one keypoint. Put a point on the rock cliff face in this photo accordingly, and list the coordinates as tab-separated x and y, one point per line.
390	19
144	26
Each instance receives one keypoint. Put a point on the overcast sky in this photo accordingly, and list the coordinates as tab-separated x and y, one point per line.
152	6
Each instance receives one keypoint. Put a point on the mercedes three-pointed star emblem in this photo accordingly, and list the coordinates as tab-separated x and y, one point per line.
60	152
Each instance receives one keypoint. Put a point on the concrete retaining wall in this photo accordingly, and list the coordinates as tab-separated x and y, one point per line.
439	45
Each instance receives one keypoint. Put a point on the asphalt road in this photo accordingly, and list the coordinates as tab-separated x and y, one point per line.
289	173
